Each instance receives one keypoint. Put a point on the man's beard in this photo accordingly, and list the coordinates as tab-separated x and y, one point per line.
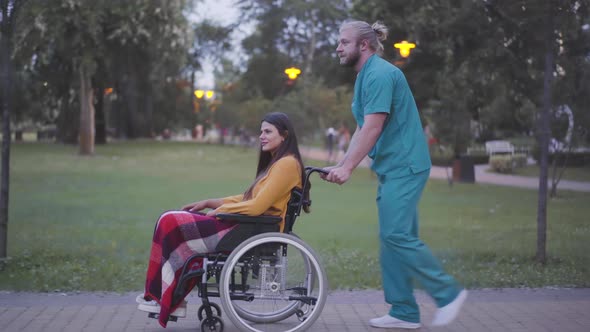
351	60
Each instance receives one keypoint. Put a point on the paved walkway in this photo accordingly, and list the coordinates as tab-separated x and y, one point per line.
518	310
481	174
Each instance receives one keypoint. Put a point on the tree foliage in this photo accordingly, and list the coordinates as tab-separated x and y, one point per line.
476	73
297	33
137	48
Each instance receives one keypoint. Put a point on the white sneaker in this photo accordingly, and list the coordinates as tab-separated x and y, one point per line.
392	322
448	313
152	306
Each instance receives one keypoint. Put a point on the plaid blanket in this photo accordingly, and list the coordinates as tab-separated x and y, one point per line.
177	236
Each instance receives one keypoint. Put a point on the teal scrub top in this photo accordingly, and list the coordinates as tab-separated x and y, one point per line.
401	149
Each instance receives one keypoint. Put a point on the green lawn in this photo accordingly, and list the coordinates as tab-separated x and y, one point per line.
570	173
85	223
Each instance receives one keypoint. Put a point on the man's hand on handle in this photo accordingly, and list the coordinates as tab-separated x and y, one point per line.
337	174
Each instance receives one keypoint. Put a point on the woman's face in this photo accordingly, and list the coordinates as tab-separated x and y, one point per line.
270	139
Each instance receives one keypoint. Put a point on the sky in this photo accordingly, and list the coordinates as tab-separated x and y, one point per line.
221	11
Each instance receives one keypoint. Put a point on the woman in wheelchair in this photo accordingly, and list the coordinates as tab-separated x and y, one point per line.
180	234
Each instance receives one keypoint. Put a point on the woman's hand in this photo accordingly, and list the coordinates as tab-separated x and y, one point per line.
196	206
212	213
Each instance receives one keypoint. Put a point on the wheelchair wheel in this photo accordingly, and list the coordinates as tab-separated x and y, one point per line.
289	308
273	278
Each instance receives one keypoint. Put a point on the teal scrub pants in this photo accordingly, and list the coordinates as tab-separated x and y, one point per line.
404	257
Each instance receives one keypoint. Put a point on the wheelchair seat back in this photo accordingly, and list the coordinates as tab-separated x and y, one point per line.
248	226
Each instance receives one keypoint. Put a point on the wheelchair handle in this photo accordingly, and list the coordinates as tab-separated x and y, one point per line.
310	169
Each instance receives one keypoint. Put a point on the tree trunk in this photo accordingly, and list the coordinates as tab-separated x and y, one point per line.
149	112
131	98
86	142
68	124
100	116
544	132
5	85
118	112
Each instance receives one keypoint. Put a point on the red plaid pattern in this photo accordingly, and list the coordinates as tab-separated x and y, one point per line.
177	236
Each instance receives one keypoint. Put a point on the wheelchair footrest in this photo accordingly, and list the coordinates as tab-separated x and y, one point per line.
156	316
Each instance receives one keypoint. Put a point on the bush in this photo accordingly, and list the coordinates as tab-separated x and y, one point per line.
505	163
519	160
501	163
479	158
574	159
441	156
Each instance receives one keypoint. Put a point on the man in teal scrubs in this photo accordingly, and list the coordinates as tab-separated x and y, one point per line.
389	131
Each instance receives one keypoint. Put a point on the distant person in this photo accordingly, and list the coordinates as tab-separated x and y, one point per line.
181	234
194	133
429	136
330	138
343	138
389	131
166	134
199	129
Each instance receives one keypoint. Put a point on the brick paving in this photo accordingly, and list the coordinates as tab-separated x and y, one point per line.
517	310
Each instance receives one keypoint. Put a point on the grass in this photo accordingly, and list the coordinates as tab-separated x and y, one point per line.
570	173
85	223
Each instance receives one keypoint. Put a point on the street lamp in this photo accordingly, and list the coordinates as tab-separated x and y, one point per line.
292	72
404	48
199	94
202	93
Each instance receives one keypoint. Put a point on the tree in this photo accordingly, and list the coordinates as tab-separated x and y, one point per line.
9	10
72	30
445	70
544	55
134	48
148	43
298	33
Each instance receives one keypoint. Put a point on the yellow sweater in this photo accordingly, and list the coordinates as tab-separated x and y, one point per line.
271	194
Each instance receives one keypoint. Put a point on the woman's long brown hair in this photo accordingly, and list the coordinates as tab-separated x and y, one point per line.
288	147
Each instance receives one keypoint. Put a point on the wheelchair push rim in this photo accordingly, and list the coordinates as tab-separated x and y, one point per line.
293	294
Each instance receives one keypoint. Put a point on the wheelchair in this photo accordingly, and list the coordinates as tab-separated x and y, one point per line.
266	280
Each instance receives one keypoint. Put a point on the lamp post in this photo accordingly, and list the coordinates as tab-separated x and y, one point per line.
200	95
205	98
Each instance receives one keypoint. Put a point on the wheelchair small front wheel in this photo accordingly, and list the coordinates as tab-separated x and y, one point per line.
203	308
212	324
273	282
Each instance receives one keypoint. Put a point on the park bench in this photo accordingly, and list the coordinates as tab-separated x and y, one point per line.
493	147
